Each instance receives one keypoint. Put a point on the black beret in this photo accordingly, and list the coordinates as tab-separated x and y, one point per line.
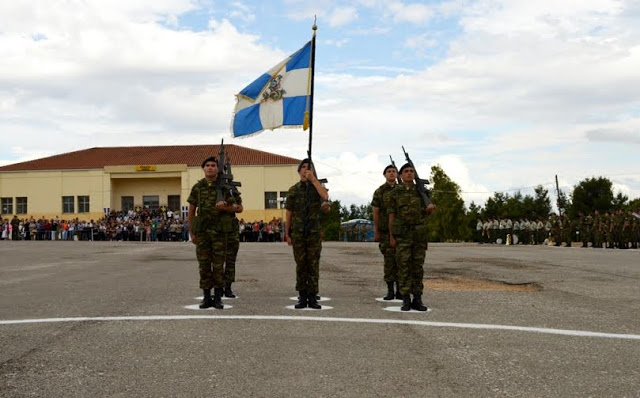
303	162
389	167
209	159
404	166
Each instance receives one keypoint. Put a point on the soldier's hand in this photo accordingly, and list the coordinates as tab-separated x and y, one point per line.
431	208
309	175
326	206
392	241
193	239
287	239
221	204
376	236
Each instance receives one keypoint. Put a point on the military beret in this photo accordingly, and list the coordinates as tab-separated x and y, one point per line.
404	166
389	167
306	160
209	159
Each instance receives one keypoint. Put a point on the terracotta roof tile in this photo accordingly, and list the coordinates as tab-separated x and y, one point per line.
192	155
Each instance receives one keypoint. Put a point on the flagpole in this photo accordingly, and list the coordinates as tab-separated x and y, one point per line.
313	71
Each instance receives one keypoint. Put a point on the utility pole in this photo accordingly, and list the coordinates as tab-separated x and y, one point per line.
558	201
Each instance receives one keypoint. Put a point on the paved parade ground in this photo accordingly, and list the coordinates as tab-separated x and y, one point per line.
116	319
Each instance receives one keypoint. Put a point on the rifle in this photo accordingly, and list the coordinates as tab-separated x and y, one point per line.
225	178
420	183
399	180
322	180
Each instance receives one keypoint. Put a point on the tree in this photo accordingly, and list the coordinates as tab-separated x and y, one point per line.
494	205
331	221
449	220
634	205
541	203
472	219
590	195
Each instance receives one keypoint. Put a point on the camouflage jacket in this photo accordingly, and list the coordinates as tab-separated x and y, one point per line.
204	196
302	210
407	205
381	201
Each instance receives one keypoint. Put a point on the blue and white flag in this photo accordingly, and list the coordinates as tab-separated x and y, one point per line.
277	98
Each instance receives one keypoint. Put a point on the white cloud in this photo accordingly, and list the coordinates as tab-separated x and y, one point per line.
416	13
342	16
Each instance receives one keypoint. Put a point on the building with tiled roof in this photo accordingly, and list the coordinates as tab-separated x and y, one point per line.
86	183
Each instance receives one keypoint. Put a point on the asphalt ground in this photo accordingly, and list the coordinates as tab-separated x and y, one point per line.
82	319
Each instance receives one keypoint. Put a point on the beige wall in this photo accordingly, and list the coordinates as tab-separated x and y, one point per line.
44	189
139	187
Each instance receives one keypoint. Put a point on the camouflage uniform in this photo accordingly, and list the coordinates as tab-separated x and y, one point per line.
410	232
233	245
381	201
211	232
304	203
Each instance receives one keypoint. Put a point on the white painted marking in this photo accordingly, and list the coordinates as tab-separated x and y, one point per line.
197	307
562	332
397	309
322	298
293	307
223	297
382	300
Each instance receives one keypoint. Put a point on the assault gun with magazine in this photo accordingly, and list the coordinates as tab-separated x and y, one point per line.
421	185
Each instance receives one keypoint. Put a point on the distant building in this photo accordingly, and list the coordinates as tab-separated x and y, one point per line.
86	183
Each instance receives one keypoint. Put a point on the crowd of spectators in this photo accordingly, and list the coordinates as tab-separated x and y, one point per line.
142	225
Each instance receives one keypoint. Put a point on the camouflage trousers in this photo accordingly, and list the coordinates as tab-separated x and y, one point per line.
211	252
410	255
306	252
389	254
233	245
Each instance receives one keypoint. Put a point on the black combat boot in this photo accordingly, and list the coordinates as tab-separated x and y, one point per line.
312	302
217	298
406	303
302	301
227	291
398	294
390	294
417	303
206	300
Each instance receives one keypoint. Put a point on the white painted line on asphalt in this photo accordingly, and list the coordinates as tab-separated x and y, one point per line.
562	332
411	311
197	307
293	307
322	298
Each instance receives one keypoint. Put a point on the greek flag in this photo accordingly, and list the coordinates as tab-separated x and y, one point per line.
277	98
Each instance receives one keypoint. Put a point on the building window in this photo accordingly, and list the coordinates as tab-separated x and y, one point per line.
67	204
126	203
21	205
151	202
83	204
7	205
282	199
270	200
174	202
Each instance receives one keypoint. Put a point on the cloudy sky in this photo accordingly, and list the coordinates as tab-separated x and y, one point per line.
503	95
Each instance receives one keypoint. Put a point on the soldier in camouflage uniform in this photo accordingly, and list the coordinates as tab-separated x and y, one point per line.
305	200
408	234
567	230
233	245
381	231
210	232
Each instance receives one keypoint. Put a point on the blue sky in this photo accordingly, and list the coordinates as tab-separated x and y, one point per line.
501	94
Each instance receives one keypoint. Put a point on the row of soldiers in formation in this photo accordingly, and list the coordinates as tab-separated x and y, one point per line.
213	226
617	229
400	213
